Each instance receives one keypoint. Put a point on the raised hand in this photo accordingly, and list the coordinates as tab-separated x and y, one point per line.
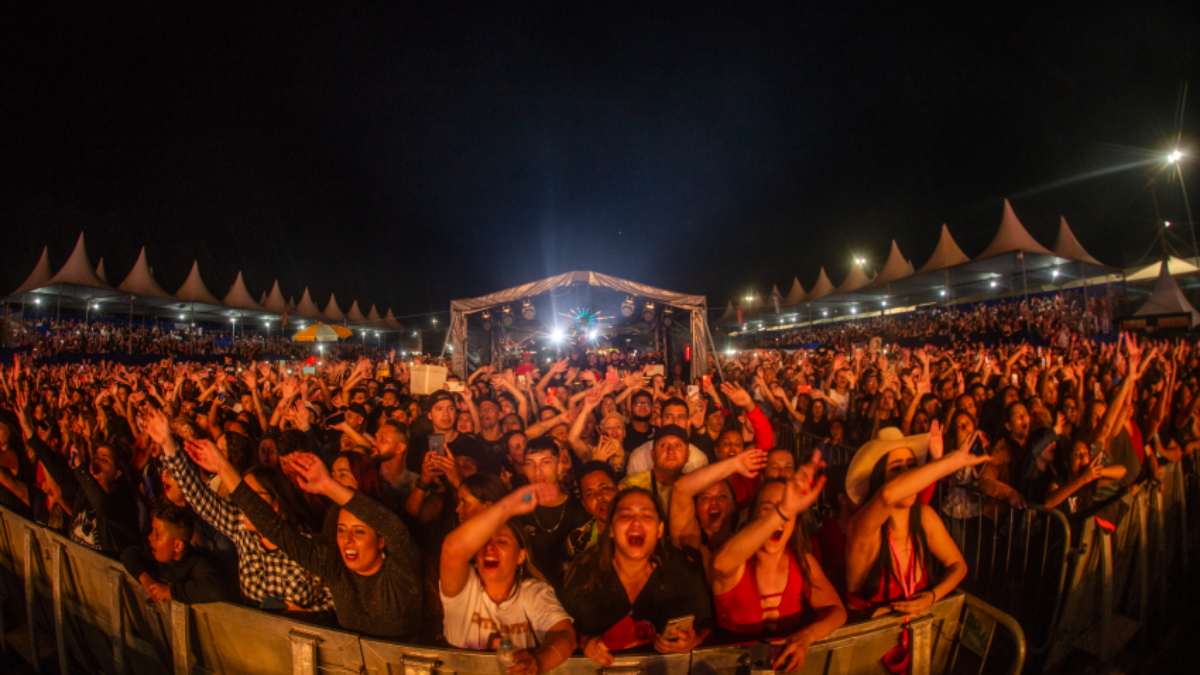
805	486
310	472
750	462
737	395
205	454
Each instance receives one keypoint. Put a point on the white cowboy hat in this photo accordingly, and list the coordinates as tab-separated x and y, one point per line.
858	475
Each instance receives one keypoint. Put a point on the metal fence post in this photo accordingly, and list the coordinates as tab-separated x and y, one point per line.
922	645
60	628
304	653
30	598
117	618
1106	593
181	638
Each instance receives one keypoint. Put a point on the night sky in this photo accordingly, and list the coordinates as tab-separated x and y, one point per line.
406	157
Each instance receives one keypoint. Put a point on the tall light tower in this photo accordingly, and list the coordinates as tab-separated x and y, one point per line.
1175	159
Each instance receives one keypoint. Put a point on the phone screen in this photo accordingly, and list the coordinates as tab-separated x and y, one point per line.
977	447
437	444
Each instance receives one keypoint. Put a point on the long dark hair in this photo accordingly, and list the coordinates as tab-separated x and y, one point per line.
882	570
595	564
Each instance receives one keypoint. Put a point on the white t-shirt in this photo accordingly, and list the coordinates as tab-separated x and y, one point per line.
642	459
473	621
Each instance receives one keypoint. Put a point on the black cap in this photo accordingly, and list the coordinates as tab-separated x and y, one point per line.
358	409
439	396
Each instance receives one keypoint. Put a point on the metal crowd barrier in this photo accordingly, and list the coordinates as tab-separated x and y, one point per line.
1075	585
62	602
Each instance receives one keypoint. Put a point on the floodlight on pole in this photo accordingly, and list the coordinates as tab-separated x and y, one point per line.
1174	156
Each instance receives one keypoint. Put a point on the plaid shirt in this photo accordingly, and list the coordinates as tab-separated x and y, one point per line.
262	573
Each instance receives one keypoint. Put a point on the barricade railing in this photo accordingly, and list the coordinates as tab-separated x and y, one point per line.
85	610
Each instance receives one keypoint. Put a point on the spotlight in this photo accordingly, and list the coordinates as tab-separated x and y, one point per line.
667	319
37	301
506	316
1166	223
627	307
557	335
942	292
1175	156
233	319
992	283
1054	273
824	312
648	312
854	310
95	305
433	320
593	334
487	320
321	348
884	303
181	317
414	333
376	333
730	351
528	311
449	348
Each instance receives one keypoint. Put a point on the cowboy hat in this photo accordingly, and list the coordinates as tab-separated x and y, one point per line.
858	476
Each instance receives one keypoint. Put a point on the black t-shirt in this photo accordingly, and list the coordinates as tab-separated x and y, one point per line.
635	438
676	588
546	531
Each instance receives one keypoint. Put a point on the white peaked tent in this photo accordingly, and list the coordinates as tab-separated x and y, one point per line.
373	315
239	296
896	267
306	307
101	272
1012	237
390	321
1175	267
262	298
78	270
291	303
822	287
855	280
140	280
39	277
776	298
332	311
194	290
355	314
1067	246
274	302
1167	299
796	294
946	254
729	315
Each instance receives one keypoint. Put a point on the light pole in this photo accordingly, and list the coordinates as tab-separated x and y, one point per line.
1175	158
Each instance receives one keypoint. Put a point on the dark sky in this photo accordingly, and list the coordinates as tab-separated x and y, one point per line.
404	157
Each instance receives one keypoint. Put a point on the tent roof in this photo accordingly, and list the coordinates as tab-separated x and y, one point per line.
775	292
728	315
40	276
140	280
822	287
895	267
355	314
78	270
306	307
1167	298
1176	266
332	311
796	294
390	321
517	293
855	280
275	302
1067	246
946	254
101	272
194	290
262	297
239	296
1011	237
373	315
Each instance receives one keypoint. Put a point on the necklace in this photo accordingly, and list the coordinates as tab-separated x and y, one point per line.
561	514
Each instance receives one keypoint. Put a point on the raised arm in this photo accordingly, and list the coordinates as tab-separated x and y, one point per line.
685	529
872	515
465	540
801	491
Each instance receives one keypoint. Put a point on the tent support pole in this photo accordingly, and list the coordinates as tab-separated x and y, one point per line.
715	354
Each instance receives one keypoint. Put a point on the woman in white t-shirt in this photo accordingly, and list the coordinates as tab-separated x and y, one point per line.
491	592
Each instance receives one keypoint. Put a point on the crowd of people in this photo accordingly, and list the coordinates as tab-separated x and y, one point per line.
594	504
74	338
1043	318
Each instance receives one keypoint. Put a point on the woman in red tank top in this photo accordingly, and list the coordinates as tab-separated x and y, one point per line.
892	534
766	583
